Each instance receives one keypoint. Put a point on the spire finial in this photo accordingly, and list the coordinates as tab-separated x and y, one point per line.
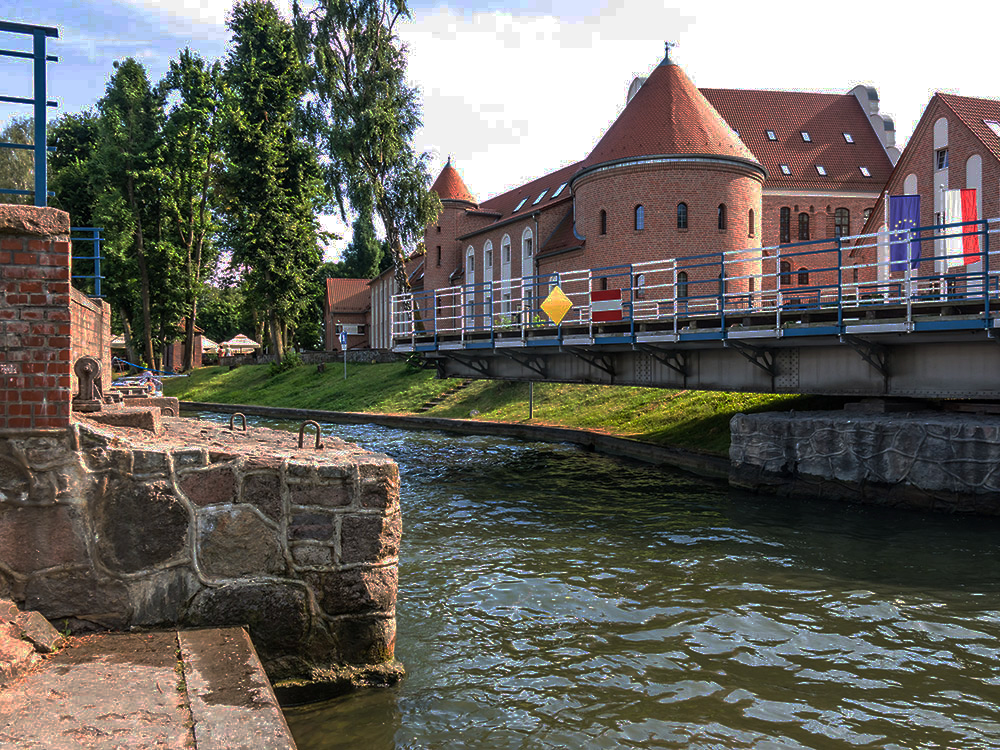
449	161
667	46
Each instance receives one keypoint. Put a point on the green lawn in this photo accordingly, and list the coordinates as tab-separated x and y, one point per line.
693	420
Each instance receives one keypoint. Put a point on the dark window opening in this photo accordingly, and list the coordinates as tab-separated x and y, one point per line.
439	255
682	215
722	216
682	285
785	231
942	158
751	230
640	217
803	226
841	222
604	221
803	277
786	273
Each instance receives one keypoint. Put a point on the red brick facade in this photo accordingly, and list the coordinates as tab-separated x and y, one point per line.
90	324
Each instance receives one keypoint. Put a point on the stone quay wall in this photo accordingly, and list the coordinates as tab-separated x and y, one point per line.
924	460
114	528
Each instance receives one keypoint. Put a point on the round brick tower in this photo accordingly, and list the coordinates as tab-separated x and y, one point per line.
443	251
670	179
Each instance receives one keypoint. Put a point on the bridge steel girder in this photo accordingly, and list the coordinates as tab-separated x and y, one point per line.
966	365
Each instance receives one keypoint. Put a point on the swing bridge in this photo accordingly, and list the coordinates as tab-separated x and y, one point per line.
797	318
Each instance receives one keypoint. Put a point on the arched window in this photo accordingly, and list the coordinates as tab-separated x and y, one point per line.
505	250
682	215
750	230
640	218
785	225
488	261
803	226
841	222
722	216
640	285
682	285
527	252
786	273
803	277
470	264
604	221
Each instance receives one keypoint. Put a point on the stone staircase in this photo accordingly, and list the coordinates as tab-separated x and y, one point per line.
443	395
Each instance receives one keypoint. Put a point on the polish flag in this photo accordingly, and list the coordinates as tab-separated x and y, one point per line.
606	306
960	205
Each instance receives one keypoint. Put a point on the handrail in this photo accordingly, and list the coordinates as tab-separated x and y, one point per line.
39	101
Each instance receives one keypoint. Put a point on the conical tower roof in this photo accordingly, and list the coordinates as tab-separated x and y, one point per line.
668	115
450	187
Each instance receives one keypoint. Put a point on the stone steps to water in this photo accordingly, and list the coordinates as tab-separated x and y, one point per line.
427	406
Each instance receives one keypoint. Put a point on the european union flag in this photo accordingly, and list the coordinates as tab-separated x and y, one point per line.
904	213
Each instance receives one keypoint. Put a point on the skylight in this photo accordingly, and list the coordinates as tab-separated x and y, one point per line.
559	190
540	196
785	169
805	136
848	137
992	125
865	172
821	169
771	136
523	200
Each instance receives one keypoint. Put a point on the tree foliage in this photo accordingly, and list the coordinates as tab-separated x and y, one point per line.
366	116
272	184
17	166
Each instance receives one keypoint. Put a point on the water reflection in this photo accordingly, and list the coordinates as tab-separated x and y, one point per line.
551	598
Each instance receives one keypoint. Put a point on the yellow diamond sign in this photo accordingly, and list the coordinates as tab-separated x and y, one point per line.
556	305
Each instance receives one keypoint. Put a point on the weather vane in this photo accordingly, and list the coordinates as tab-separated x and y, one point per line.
669	46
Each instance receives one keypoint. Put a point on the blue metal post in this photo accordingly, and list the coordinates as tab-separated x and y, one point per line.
986	273
840	284
41	101
97	262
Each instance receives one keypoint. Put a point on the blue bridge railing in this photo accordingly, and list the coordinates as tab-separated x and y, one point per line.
88	236
38	101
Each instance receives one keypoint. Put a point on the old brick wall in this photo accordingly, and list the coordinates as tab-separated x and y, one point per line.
35	322
90	334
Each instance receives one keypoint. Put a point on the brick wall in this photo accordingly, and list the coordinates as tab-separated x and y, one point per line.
90	326
35	354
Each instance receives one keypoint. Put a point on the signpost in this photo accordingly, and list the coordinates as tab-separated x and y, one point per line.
343	348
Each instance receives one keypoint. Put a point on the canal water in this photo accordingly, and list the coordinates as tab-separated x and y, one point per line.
553	598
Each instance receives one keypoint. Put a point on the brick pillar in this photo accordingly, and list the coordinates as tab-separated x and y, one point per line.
34	318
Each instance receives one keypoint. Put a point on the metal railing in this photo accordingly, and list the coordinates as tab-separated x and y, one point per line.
720	295
91	236
38	101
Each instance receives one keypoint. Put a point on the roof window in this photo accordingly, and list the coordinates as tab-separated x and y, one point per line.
540	196
865	172
821	169
848	137
992	125
771	136
559	190
785	169
519	205
805	136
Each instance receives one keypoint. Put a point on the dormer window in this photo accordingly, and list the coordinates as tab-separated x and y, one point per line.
559	190
785	169
848	137
540	196
994	126
821	169
805	136
771	136
865	171
523	200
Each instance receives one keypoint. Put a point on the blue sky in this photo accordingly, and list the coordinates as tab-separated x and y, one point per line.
515	89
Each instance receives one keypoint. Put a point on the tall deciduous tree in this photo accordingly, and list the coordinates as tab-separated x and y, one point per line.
17	166
273	188
190	160
366	116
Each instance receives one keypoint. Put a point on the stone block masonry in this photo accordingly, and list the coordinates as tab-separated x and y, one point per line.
924	460
113	527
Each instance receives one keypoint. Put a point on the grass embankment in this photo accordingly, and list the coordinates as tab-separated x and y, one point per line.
693	420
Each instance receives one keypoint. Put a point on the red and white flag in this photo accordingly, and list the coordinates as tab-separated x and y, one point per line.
606	306
959	206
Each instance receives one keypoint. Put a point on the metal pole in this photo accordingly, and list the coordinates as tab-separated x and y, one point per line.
41	100
345	364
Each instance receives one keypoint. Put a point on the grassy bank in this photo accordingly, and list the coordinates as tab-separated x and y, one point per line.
693	420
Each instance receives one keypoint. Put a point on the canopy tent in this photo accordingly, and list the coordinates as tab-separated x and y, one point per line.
118	342
208	346
239	344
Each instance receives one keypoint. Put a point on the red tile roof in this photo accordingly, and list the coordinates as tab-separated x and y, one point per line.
973	113
505	203
347	295
826	117
450	187
668	115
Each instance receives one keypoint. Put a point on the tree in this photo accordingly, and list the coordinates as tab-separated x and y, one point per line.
190	159
362	258
366	116
273	188
17	166
128	186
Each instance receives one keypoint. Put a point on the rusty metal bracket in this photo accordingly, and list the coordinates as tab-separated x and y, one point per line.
242	416
302	432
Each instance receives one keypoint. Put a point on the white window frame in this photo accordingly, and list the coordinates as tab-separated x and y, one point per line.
771	136
805	136
785	169
848	138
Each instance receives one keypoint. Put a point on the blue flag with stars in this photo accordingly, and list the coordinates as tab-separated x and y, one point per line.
904	213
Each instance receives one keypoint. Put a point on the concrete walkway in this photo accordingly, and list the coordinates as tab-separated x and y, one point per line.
201	689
